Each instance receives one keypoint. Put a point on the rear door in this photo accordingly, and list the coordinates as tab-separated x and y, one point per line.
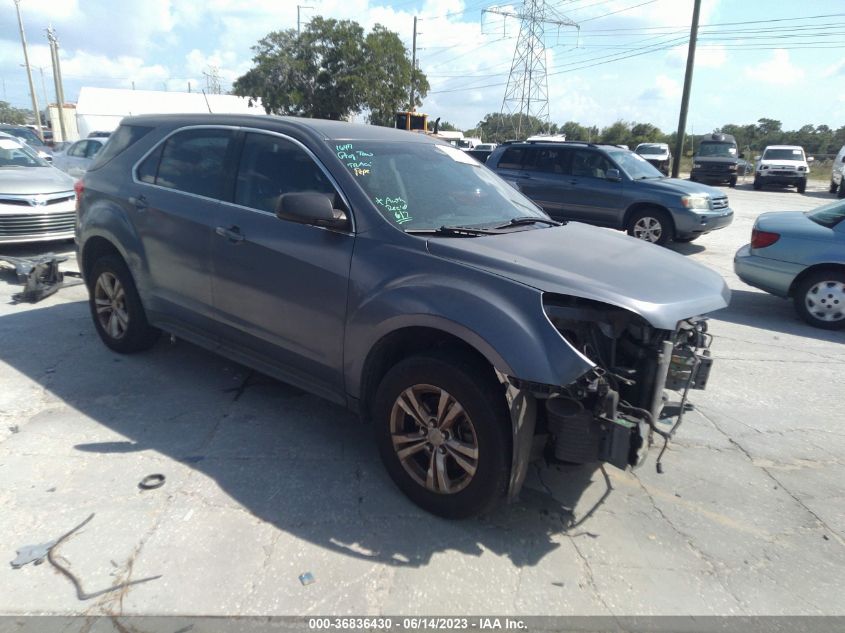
280	287
546	179
74	160
175	208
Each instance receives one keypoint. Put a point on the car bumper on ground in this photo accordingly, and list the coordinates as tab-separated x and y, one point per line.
771	275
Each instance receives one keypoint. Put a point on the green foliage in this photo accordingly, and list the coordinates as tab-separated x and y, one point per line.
445	126
497	128
331	71
9	114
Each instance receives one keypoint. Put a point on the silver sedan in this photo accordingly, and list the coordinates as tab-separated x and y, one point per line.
77	158
800	255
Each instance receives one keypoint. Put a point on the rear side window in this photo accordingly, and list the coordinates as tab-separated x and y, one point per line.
191	161
78	149
549	160
122	138
512	158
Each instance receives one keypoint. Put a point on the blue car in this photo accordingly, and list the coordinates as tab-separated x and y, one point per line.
800	255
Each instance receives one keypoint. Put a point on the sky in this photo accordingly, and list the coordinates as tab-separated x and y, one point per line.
778	59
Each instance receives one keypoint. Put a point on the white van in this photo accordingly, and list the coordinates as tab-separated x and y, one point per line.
836	173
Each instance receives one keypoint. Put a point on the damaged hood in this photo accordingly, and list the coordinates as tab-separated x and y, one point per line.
604	265
32	180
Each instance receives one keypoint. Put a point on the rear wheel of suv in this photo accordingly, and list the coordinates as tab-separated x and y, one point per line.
116	307
651	225
820	299
801	186
443	432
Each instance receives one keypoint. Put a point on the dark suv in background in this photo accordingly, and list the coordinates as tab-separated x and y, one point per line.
609	186
394	275
716	160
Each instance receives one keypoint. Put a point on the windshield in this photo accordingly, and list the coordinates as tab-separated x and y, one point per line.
427	185
14	154
829	214
24	133
634	165
783	154
722	150
652	149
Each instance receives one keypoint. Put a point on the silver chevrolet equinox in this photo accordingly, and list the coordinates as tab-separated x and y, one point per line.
392	274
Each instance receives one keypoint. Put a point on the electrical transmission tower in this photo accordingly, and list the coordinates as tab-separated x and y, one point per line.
527	92
212	80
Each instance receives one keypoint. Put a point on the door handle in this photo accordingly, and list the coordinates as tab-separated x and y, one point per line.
139	202
233	233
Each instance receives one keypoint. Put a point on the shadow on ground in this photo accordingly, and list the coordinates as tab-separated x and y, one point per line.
767	312
294	461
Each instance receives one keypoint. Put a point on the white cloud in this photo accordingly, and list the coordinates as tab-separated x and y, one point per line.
778	70
664	88
711	56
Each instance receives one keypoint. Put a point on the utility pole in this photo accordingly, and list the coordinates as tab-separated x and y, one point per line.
298	19
527	91
57	79
43	85
411	100
682	120
29	72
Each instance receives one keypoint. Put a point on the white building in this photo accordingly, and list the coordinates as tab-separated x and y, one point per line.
101	109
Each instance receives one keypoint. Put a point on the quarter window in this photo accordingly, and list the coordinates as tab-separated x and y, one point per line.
550	160
191	161
271	166
78	149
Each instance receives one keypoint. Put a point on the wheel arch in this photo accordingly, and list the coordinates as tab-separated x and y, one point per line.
800	277
643	206
94	248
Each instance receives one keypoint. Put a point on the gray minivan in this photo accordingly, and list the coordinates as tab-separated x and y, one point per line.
394	275
609	186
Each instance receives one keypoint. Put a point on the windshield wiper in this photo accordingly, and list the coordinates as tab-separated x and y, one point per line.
460	231
529	219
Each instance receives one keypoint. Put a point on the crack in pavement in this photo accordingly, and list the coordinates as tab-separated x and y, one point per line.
768	473
700	554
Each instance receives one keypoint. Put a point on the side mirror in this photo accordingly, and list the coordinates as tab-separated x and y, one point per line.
310	208
613	175
810	159
843	160
756	158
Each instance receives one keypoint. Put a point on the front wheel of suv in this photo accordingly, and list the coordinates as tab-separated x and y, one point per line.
757	184
116	307
833	186
443	432
801	186
651	225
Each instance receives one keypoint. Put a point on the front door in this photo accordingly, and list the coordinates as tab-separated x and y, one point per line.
593	198
280	287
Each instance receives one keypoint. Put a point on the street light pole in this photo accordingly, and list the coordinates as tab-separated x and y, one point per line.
29	73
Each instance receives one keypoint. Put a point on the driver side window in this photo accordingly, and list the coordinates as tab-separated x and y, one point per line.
271	166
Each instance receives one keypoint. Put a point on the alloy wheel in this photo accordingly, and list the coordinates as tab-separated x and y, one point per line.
826	301
649	229
434	439
110	301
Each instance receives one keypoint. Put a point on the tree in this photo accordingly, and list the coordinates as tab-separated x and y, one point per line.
618	133
497	128
389	76
331	71
445	126
9	114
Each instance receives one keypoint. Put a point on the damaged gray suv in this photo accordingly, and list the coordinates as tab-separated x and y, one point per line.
394	275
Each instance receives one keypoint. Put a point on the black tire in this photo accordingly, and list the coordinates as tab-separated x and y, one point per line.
757	184
821	296
841	193
732	182
833	186
131	333
485	425
801	186
640	224
684	240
